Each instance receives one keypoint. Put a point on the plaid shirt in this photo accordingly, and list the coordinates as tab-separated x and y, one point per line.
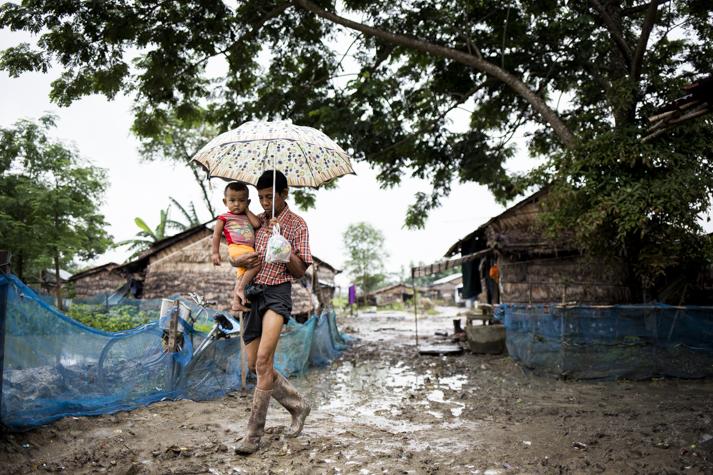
294	229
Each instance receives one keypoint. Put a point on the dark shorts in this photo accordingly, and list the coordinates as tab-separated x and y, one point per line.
277	298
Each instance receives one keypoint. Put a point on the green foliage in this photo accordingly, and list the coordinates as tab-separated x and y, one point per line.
49	200
640	202
364	246
117	318
189	214
147	236
177	138
396	306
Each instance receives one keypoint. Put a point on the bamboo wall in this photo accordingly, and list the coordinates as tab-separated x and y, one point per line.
562	279
103	282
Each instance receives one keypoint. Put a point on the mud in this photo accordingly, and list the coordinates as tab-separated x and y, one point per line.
381	408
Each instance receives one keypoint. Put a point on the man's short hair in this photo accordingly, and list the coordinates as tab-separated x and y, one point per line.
265	181
236	186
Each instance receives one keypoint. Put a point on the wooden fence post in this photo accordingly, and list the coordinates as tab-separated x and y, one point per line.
243	356
173	342
4	287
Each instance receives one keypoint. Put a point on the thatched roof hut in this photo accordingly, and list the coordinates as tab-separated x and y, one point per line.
48	279
533	267
104	279
696	102
392	293
445	288
323	284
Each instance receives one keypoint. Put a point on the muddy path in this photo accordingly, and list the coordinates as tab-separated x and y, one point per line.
380	408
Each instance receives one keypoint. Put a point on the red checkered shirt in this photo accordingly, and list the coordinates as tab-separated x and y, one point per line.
294	229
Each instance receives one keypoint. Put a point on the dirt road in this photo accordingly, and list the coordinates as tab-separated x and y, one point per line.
382	409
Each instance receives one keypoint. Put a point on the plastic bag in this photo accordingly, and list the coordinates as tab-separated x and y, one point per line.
278	248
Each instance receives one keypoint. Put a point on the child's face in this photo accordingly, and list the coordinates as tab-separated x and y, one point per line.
236	201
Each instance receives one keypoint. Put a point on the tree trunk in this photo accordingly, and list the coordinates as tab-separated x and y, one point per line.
58	281
206	198
18	267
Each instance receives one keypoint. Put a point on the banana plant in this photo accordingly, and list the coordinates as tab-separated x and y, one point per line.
189	214
146	236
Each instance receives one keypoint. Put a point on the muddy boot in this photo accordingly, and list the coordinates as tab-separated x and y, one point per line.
256	423
286	394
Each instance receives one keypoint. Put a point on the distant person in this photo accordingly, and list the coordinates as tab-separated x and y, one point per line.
238	226
270	299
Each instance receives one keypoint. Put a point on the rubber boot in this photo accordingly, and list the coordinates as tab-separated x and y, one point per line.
287	395
256	423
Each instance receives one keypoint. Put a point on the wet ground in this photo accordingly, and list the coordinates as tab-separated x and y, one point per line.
381	408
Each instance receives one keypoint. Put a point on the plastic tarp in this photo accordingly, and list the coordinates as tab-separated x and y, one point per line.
611	342
55	366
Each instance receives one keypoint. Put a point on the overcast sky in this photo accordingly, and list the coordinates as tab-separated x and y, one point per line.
100	130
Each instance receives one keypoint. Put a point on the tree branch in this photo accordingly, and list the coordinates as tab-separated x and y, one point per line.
560	128
646	28
614	31
431	125
246	36
640	8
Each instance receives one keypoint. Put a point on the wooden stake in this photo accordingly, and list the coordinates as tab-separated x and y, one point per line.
173	329
415	306
243	357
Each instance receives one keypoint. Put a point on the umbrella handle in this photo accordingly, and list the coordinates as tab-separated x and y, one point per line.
274	179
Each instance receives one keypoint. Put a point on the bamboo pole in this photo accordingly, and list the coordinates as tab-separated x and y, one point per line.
415	306
4	289
243	357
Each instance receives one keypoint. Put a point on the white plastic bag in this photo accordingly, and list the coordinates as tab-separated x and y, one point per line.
278	248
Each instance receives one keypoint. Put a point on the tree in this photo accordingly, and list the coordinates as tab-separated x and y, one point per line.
364	246
49	201
177	140
575	76
147	236
189	214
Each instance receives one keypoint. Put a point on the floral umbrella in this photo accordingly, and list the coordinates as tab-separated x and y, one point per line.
306	156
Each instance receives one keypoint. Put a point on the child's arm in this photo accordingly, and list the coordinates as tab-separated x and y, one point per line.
217	234
252	217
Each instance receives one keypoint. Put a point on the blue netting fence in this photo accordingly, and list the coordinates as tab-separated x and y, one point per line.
611	342
55	366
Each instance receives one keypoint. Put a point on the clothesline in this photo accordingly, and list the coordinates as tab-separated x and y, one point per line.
436	267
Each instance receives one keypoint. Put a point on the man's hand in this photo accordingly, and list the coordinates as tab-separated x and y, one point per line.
216	259
245	260
240	300
271	224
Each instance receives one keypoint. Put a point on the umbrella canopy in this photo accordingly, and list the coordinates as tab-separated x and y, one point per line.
306	156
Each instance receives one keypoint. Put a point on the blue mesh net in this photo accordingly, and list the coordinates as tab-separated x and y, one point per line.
323	350
611	342
55	366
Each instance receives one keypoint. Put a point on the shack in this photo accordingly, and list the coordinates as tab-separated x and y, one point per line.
48	279
392	293
323	282
518	263
446	289
560	307
104	279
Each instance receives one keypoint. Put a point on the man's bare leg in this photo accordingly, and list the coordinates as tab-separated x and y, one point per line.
271	328
261	353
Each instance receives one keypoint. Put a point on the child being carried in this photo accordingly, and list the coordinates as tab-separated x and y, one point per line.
238	226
